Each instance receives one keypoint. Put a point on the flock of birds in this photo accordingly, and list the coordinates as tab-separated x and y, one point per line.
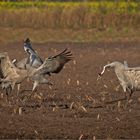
32	67
35	68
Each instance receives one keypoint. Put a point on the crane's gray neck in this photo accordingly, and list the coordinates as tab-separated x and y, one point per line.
116	65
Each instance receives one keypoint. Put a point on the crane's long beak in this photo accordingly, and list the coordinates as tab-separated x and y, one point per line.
100	74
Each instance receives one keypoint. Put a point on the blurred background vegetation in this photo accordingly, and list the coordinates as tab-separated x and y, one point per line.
71	0
70	20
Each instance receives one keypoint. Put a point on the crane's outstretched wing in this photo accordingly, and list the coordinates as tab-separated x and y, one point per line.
34	59
28	47
54	64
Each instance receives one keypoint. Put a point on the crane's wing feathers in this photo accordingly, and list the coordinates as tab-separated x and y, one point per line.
63	57
28	47
34	59
54	64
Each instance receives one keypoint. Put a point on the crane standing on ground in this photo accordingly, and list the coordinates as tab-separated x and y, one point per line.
129	78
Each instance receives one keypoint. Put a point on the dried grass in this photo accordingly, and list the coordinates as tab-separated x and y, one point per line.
70	15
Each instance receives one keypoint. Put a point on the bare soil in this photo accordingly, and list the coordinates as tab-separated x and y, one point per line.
77	106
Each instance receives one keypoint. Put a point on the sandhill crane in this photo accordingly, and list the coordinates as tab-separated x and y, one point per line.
52	64
11	75
14	75
129	78
31	67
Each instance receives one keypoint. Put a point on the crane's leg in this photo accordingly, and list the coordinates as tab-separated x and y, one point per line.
35	84
7	95
8	91
130	94
18	91
125	91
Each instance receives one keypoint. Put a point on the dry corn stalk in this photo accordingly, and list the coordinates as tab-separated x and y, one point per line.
68	81
20	110
98	116
78	82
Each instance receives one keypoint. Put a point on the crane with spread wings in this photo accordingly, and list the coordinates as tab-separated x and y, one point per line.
37	68
17	72
52	64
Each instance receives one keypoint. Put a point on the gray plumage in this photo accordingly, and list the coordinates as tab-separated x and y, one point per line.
34	60
14	72
11	75
53	64
22	63
129	78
